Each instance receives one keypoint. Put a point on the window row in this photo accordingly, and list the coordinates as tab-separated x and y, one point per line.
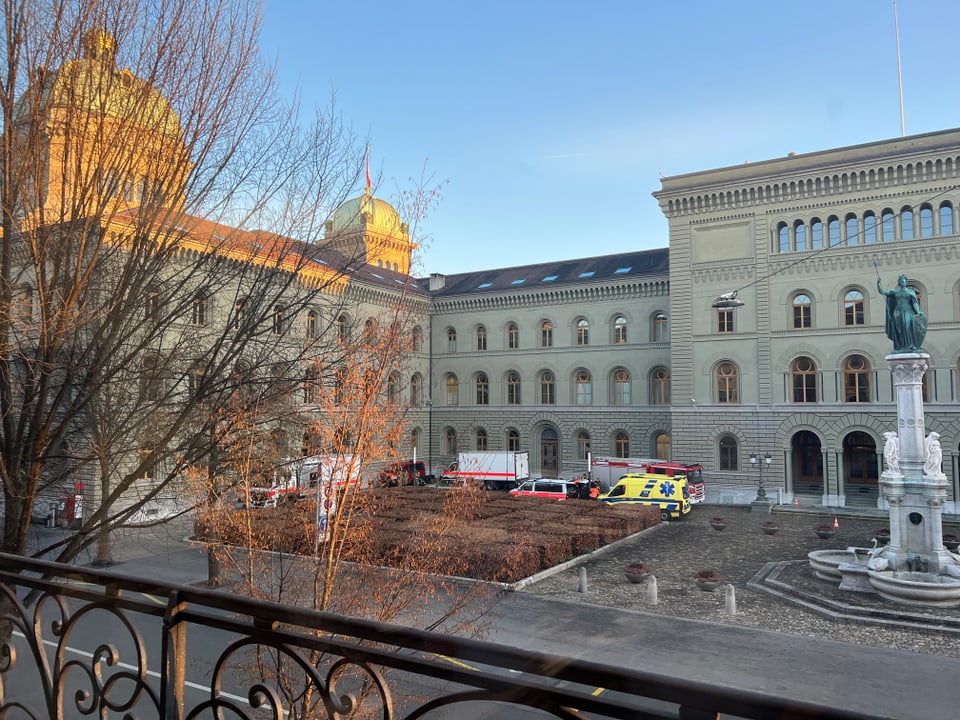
804	382
618	442
850	229
546	388
659	332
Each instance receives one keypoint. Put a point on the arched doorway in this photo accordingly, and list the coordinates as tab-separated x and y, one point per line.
807	457
860	469
549	445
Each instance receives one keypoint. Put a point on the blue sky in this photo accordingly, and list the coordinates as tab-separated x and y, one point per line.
553	120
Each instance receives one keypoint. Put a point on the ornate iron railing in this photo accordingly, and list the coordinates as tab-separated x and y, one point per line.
79	642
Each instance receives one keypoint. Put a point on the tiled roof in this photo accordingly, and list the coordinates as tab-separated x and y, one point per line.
581	271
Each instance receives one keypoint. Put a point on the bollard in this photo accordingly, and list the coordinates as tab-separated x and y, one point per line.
582	585
652	590
730	598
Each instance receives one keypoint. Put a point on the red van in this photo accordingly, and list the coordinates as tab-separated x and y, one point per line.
545	488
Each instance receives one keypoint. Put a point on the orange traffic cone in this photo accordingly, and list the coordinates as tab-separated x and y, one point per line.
836	524
796	501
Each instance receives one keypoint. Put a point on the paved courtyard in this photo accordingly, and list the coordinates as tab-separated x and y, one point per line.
745	556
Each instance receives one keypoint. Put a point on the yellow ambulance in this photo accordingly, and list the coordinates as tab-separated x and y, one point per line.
667	492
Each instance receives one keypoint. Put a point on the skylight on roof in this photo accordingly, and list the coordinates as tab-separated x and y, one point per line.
521	281
379	277
589	273
481	286
622	270
550	278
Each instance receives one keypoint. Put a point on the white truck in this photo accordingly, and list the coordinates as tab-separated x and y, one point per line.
300	477
495	469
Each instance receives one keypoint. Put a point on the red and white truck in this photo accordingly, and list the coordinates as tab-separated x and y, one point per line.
495	469
608	470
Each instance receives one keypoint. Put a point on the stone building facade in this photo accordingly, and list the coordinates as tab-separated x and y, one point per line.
796	373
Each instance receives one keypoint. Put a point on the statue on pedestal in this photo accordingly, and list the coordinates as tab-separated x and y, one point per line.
906	324
891	453
934	461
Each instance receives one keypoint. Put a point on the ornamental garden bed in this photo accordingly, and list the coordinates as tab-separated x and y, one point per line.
483	535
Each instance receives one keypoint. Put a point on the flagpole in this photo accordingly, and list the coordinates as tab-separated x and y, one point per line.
896	27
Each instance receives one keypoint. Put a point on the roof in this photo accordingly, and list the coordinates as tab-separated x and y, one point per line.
581	271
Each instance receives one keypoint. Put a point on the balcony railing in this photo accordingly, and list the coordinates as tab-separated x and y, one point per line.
80	642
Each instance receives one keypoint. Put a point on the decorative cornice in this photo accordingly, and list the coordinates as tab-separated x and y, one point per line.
555	296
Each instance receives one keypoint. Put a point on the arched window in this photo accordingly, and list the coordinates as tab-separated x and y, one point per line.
661	328
727	384
546	334
513	388
856	379
513	336
621	444
926	221
620	330
393	388
946	218
852	230
482	387
621	387
481	338
888	225
853	309
547	388
583	445
783	237
416	339
664	444
816	234
513	440
906	223
416	390
342	332
869	228
311	325
660	386
584	385
583	332
481	439
833	230
728	453
453	389
802	306
370	331
415	441
451	340
239	313
800	236
804	373
450	441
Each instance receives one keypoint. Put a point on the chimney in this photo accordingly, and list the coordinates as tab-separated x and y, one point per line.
437	282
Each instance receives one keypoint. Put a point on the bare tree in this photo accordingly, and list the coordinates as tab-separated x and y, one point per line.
144	148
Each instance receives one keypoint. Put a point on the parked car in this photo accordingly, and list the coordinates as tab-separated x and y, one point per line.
545	488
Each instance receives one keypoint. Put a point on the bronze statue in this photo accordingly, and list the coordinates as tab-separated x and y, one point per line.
906	324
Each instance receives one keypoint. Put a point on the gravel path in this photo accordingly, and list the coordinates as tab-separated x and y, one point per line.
678	549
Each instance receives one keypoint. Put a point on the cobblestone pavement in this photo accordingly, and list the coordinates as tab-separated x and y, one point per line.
678	549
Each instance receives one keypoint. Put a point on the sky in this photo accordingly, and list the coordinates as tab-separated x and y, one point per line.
550	122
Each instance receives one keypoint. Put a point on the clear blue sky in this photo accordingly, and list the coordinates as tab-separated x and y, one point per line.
552	120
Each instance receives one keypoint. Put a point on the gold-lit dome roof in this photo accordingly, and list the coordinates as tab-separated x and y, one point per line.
94	83
380	216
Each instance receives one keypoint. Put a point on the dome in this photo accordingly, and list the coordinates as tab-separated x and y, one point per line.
379	216
93	82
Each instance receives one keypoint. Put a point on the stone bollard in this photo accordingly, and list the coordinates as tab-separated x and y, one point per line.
652	590
582	584
730	600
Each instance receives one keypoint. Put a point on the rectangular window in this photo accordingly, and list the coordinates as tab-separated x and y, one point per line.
199	310
725	321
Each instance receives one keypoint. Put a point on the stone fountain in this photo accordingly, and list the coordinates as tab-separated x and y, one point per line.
914	567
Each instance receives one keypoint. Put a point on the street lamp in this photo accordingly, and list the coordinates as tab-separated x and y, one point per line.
761	492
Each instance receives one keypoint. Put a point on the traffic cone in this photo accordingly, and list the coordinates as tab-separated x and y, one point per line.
836	524
796	501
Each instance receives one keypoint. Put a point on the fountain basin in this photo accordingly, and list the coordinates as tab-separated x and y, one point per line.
915	588
826	563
